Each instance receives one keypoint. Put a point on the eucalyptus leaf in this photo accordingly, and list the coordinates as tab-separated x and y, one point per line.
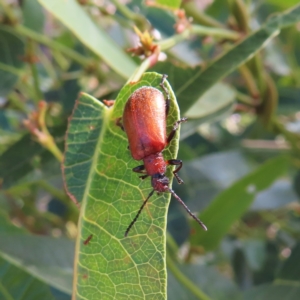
286	291
12	49
33	15
230	204
98	174
167	4
92	36
16	284
194	87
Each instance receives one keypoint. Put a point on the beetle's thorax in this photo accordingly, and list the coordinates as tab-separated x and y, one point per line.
155	164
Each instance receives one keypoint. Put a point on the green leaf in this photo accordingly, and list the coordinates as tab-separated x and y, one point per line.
167	4
33	15
98	173
15	284
283	4
214	100
95	38
16	164
215	104
232	203
290	269
208	278
49	260
12	49
287	291
233	58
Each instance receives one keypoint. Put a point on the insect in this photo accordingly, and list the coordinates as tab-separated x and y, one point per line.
144	120
88	240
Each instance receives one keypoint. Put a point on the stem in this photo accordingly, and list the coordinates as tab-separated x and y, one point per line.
17	101
240	12
199	30
36	124
56	193
215	32
8	12
48	142
198	16
127	13
173	40
185	281
11	69
250	81
292	138
146	64
245	99
259	72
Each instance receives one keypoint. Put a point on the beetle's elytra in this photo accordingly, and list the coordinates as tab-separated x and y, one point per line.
144	121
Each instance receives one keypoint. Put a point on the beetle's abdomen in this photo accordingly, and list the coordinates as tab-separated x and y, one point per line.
144	121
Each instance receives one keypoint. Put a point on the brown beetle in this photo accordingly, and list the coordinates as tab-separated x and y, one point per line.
144	121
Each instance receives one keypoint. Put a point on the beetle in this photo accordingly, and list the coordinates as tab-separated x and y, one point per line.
144	121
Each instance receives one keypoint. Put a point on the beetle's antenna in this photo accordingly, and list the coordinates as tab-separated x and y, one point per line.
187	209
137	215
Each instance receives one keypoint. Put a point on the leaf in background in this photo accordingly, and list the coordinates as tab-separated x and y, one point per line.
215	99
98	173
286	291
277	196
255	253
33	15
290	269
232	203
283	4
73	16
194	87
16	284
216	103
12	49
207	176
47	259
296	183
167	4
16	164
209	279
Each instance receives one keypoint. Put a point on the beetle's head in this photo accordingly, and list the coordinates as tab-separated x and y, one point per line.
160	183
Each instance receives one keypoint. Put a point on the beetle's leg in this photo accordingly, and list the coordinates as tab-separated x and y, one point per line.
175	127
162	85
140	169
119	123
176	162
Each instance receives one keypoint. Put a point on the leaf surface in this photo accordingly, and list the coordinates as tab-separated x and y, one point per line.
232	203
167	4
15	282
98	173
92	36
193	88
12	49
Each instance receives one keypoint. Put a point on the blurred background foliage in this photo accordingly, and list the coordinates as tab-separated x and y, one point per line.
241	147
